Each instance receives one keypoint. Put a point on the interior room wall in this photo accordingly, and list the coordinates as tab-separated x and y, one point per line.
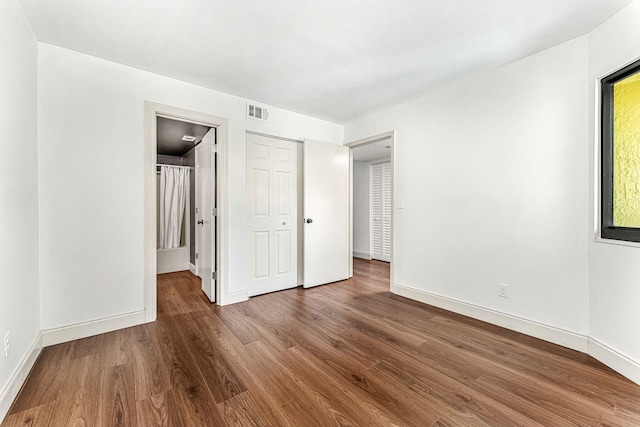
92	209
19	293
493	171
614	269
361	210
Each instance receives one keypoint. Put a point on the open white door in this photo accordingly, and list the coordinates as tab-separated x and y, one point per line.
327	231
205	202
272	206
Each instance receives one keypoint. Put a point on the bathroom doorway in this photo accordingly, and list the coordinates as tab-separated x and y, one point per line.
215	283
177	142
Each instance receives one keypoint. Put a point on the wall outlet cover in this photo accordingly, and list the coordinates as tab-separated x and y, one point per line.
7	344
503	290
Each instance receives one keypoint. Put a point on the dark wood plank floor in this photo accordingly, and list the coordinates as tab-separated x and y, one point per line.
345	354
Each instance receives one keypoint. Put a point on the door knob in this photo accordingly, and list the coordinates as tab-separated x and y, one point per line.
201	222
309	220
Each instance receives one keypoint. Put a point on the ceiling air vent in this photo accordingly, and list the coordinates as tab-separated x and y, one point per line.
257	112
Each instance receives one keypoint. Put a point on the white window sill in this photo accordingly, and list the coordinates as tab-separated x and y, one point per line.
616	242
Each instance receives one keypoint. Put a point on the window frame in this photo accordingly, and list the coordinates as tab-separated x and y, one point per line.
607	229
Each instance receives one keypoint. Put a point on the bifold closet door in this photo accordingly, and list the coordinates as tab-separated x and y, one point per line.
381	211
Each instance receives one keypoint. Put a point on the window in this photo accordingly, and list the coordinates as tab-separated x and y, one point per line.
621	154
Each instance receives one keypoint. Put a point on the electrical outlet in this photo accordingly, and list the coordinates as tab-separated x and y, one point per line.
7	345
503	290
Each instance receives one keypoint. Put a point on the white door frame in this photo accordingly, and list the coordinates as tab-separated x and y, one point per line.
152	110
391	135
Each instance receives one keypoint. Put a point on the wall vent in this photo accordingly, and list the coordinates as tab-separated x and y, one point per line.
257	112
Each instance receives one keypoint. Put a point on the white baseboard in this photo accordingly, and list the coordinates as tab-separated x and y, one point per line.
235	297
19	376
192	268
535	329
94	327
614	359
363	255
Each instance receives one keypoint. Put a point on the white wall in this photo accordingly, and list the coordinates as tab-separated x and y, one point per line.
19	301
361	210
493	170
614	269
91	150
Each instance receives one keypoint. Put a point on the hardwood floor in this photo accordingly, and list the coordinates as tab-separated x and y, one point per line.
345	354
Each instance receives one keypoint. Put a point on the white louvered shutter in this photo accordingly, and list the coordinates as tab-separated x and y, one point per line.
386	212
381	211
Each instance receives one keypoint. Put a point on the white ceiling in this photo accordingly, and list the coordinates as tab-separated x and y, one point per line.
332	59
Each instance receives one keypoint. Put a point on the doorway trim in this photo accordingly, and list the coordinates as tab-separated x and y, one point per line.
151	111
391	135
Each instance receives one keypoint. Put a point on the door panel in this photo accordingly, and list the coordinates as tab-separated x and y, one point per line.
205	189
284	252
271	214
261	239
327	212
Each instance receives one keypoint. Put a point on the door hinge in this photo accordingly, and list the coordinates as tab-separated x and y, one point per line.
214	275
214	148
214	212
196	255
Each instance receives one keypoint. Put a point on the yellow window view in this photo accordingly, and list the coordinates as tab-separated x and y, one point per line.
626	152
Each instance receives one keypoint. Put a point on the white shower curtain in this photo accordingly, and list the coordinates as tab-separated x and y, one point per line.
171	204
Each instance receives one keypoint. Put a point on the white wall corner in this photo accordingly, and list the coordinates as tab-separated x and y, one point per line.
19	376
614	359
94	327
532	328
362	254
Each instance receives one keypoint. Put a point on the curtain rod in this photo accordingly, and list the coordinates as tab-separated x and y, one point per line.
175	166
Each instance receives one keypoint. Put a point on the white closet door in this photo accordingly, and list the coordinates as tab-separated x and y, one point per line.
376	211
272	205
381	211
386	212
